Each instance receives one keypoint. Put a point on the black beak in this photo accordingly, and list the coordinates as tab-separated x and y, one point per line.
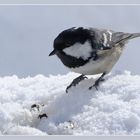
52	53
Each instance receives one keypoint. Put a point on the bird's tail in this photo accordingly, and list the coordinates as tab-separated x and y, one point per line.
124	37
134	35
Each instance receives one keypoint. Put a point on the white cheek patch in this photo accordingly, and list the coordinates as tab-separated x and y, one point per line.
79	50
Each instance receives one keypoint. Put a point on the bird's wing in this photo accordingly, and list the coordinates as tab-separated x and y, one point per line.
106	39
102	41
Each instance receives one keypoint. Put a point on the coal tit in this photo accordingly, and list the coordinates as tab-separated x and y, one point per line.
90	51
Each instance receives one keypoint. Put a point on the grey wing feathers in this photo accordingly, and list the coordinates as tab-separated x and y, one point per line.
106	39
101	39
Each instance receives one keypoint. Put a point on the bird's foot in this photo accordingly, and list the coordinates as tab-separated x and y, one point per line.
76	81
96	84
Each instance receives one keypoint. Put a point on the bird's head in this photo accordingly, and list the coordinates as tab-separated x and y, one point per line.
69	37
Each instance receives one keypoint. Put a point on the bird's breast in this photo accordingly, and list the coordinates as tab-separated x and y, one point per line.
107	59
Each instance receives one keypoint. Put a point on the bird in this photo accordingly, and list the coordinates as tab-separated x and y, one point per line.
90	51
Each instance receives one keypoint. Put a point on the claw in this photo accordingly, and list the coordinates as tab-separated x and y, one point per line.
76	81
96	84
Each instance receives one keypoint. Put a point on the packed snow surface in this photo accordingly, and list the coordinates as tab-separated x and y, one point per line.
112	110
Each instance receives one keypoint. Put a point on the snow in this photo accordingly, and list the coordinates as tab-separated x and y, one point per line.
112	110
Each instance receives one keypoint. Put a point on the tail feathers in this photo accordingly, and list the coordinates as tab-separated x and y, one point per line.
124	37
134	35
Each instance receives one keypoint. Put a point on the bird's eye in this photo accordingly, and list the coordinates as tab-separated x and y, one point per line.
67	44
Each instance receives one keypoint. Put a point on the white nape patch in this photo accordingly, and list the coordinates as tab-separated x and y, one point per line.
76	28
110	35
105	39
79	50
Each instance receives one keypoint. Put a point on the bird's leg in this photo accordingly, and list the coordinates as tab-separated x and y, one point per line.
76	81
96	84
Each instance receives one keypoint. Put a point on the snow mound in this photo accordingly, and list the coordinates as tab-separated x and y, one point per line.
112	110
